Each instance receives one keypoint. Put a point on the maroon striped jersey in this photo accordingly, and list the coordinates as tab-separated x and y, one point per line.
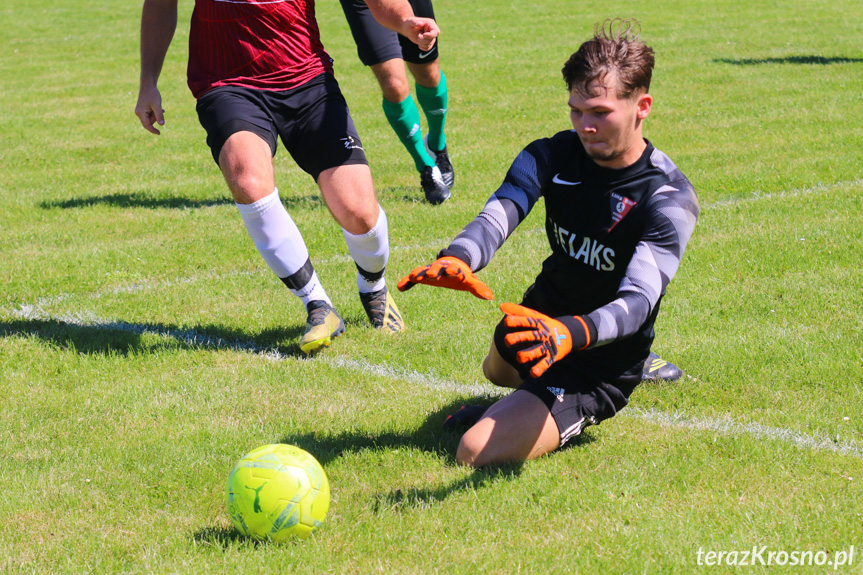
260	44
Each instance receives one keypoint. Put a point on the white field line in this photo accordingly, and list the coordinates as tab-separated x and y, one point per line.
475	389
196	339
40	304
722	426
191	337
815	442
436	244
792	193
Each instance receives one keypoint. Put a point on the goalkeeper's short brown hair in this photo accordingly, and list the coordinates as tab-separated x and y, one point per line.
614	49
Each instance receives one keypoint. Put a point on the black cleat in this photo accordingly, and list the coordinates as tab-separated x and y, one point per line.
657	369
441	160
382	311
464	418
433	185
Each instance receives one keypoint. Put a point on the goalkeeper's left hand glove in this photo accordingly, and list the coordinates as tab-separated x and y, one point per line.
447	272
553	338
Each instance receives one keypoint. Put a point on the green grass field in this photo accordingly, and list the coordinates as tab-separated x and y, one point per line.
145	347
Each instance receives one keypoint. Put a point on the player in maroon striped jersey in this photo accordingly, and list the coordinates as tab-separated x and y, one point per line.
260	73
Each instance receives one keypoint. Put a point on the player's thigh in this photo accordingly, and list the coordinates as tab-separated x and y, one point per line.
498	371
423	8
577	399
316	127
242	138
410	51
516	428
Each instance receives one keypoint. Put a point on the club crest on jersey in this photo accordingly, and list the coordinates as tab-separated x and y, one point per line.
620	206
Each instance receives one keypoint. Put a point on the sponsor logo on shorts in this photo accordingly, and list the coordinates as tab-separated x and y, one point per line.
424	55
351	143
557	392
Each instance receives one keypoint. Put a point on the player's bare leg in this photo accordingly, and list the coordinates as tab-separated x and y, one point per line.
247	164
426	75
516	428
498	371
404	117
393	79
246	161
350	196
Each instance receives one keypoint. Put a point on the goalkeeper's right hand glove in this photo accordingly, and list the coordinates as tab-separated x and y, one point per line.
447	272
548	339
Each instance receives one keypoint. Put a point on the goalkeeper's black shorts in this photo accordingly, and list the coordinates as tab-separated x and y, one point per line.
575	392
577	406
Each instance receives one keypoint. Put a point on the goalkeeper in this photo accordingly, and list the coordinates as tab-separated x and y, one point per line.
618	216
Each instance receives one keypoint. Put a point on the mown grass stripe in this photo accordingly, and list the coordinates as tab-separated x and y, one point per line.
722	426
147	285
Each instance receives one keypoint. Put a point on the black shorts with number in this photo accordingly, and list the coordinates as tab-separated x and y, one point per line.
377	44
312	120
575	392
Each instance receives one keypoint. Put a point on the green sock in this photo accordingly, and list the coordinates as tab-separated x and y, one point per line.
433	102
404	117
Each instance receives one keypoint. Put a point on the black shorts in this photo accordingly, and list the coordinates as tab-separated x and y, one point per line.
575	392
312	120
377	44
575	404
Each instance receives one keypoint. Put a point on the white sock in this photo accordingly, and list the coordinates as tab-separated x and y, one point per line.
308	291
370	252
281	245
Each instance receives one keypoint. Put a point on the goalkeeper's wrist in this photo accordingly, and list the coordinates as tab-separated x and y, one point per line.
456	252
581	329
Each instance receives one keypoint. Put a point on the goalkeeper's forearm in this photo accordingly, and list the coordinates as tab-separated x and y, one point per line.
477	243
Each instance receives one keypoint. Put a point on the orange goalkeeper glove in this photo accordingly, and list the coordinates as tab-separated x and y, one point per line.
551	338
447	272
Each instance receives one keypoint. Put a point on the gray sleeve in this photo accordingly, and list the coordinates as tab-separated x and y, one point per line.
504	210
672	213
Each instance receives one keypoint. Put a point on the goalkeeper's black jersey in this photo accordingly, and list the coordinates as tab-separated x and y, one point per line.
616	239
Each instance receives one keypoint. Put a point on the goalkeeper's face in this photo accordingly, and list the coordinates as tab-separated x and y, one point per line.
609	126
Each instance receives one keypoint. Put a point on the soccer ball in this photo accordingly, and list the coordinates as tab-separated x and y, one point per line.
278	492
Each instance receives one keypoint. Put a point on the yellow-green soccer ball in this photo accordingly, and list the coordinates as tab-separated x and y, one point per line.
278	492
